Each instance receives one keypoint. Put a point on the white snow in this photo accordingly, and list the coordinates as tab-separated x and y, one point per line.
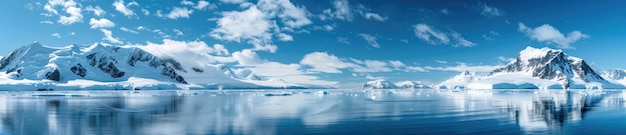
459	81
412	85
194	61
531	52
380	84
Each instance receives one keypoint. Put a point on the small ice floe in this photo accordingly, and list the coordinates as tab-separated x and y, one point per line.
321	92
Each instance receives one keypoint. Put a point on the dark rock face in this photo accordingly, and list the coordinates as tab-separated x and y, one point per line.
170	72
79	70
173	63
197	70
155	62
54	75
6	60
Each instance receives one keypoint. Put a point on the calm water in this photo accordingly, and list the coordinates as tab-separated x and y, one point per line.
311	112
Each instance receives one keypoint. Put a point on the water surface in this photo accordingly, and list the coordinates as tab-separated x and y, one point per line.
314	112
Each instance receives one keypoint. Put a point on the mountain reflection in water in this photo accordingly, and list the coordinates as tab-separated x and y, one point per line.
309	111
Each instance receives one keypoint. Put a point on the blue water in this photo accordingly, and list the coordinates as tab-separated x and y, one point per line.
314	112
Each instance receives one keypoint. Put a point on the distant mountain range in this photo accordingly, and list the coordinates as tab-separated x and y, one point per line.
537	68
106	67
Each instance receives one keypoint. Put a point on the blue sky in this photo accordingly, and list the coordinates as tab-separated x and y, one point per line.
338	42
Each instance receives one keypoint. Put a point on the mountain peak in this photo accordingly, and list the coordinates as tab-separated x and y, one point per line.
380	84
531	52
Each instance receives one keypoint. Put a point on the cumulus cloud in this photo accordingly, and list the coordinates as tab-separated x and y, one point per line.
370	40
490	11
101	23
284	37
46	22
249	25
550	35
342	11
108	36
178	32
124	8
247	57
70	7
197	53
201	5
96	10
324	62
433	36
179	12
289	14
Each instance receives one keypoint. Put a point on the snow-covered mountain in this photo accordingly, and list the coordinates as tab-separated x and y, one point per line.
616	75
380	84
101	66
412	85
544	68
459	81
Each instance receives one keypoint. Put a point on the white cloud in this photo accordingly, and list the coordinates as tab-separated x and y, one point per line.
343	11
142	28
250	25
430	35
186	2
465	67
161	33
247	57
233	1
145	12
441	62
396	64
179	12
343	40
128	30
491	11
96	10
100	23
374	16
371	66
289	14
69	6
124	8
491	35
460	41
46	22
201	5
324	62
433	36
505	59
548	34
72	33
220	49
197	53
370	40
284	37
57	35
415	69
178	32
368	76
108	36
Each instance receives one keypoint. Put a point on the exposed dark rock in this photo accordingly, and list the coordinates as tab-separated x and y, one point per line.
5	61
79	70
174	63
170	72
197	69
54	75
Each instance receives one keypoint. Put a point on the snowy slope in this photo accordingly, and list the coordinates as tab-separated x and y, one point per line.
616	76
544	68
102	66
459	81
412	85
380	84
